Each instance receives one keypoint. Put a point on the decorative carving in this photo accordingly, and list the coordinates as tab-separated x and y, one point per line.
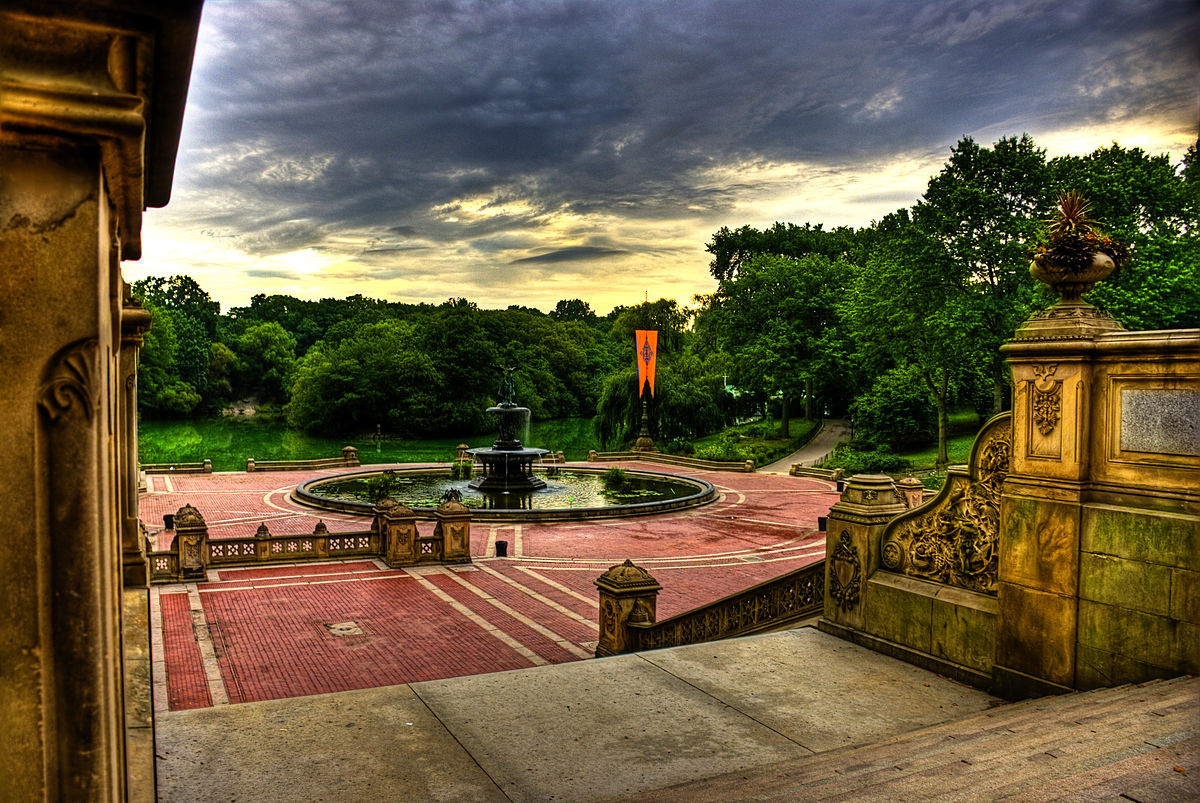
845	574
69	381
952	538
1047	398
784	599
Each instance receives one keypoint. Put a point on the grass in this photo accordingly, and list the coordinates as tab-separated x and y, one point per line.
964	426
229	441
757	441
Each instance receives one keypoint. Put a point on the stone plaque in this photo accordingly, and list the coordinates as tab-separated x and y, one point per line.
1162	421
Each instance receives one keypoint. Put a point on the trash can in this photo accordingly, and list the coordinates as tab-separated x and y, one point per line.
169	521
841	486
822	523
502	549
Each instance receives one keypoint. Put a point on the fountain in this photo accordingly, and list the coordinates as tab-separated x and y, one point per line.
507	465
507	489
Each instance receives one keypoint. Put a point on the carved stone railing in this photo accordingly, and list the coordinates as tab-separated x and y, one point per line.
627	610
393	538
671	460
952	539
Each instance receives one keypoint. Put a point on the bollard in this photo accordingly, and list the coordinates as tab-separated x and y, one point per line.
502	549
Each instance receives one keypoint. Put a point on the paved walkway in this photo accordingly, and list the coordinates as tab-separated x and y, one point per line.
587	731
833	431
264	633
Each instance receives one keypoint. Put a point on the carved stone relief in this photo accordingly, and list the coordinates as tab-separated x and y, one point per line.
70	385
1047	398
952	539
845	574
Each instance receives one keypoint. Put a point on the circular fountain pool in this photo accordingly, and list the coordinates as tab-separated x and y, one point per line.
574	493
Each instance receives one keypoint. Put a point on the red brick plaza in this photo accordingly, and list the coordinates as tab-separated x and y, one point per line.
286	631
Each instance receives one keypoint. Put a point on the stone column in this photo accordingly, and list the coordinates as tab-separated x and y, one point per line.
454	528
855	527
135	321
1052	362
626	591
397	526
91	100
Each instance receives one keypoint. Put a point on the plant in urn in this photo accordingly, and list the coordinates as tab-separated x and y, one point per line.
1071	255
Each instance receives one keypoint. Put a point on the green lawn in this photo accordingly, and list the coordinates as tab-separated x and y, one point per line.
229	441
757	441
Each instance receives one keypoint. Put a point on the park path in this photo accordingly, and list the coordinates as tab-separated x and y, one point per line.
833	431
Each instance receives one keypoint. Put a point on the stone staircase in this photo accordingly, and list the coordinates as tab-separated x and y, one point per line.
1135	742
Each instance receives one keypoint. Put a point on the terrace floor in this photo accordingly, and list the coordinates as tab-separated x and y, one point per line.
264	633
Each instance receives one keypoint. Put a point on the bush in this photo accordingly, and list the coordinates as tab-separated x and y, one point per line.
853	461
615	480
680	446
462	469
382	487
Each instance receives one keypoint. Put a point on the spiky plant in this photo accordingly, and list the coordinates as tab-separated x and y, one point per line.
1072	237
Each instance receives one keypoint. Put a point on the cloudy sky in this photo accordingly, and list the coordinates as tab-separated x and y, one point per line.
524	152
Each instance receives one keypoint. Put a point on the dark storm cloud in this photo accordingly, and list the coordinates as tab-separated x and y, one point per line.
485	120
572	254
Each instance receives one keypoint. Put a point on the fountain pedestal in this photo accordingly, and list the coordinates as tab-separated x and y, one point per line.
507	465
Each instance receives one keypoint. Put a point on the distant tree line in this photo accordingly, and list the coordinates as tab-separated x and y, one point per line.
894	324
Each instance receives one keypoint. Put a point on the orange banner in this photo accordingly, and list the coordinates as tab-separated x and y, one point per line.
647	353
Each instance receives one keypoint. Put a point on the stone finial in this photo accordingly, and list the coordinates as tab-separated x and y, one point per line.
320	529
626	577
187	516
453	507
911	490
262	531
349	454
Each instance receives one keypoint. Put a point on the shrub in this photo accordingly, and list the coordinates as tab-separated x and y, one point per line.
462	469
615	480
853	461
383	486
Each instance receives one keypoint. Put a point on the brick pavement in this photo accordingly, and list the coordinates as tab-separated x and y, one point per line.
285	631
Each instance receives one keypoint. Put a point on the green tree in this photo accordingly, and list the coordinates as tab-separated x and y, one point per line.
771	318
985	207
912	303
266	355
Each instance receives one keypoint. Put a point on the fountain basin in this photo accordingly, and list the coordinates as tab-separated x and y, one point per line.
575	494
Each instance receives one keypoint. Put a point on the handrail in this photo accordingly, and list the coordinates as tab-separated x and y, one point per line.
778	601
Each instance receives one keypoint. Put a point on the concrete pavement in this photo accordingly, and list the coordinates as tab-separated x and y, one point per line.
585	731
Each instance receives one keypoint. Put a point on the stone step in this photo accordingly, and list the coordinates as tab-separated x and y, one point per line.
1004	766
1025	748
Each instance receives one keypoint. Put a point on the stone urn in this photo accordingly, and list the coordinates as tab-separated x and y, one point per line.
1071	281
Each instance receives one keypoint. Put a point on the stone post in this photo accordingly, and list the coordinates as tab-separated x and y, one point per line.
454	529
397	526
1053	362
350	455
262	543
191	543
912	491
855	527
626	591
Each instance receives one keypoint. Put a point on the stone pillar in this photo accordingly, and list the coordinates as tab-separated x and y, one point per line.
191	543
454	529
626	591
397	526
350	455
1052	362
90	110
852	544
262	542
135	321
